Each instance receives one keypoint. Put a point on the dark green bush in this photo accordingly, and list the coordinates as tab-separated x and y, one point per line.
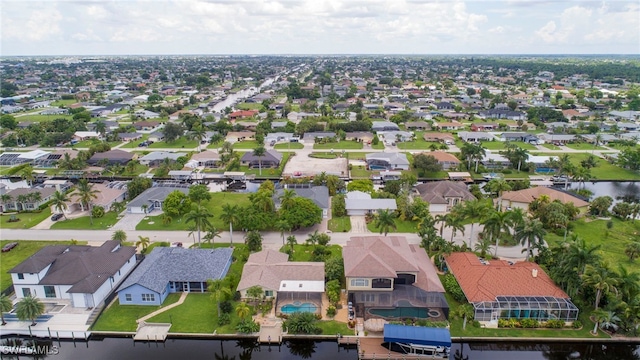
453	288
224	319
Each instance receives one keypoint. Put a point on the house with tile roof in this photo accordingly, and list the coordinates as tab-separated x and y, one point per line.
522	198
84	275
169	270
286	281
500	289
387	161
111	157
389	278
443	195
270	159
446	160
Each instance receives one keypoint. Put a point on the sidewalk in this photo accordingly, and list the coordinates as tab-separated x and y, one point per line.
161	310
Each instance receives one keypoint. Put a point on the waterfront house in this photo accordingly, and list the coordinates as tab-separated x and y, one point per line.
443	195
522	198
387	161
169	270
446	160
359	203
152	199
111	157
388	278
318	194
270	159
384	126
156	158
207	159
500	289
295	285
83	274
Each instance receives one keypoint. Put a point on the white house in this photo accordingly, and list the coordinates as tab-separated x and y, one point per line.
85	275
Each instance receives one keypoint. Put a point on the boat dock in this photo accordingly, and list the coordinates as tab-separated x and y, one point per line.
151	331
370	348
270	332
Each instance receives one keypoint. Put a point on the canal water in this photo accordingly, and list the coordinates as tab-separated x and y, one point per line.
232	99
620	191
126	349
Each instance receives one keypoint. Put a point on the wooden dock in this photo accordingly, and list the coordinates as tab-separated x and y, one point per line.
151	331
270	332
370	348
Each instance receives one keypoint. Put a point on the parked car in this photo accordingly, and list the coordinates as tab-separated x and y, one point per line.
176	244
56	217
143	144
9	246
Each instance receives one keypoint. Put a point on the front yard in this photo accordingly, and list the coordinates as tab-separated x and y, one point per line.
26	219
347	145
288	145
402	226
178	144
584	146
340	224
84	223
502	145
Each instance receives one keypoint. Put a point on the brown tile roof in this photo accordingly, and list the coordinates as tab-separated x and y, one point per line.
384	257
437	136
437	192
104	195
44	192
481	282
206	155
85	268
529	195
268	268
442	156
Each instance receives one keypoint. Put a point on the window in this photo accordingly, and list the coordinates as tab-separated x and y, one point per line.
268	293
26	292
127	297
21	276
359	282
49	291
148	297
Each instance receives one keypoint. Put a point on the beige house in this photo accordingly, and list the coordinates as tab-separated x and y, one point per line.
389	278
106	195
522	198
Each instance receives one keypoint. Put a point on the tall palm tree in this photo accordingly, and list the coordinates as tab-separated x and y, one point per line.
26	173
263	201
291	240
628	282
5	199
230	214
59	202
215	287
474	210
598	316
282	226
87	194
601	279
565	167
22	199
286	198
454	221
442	219
119	235
211	235
498	186
531	232
101	128
29	308
143	242
385	221
496	224
198	133
5	306
259	153
66	163
199	215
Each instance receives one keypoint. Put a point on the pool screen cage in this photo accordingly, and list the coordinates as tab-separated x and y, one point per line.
402	296
304	301
541	308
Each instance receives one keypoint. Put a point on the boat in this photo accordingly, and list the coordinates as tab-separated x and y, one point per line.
418	350
418	341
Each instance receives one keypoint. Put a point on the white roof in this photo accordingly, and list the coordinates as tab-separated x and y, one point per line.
86	134
464	174
358	195
538	159
370	204
301	286
34	154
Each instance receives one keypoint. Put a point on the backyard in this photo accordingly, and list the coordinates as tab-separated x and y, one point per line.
84	222
304	252
26	219
118	317
246	144
605	170
8	260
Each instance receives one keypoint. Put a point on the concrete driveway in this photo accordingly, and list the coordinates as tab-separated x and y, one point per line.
129	221
47	223
359	224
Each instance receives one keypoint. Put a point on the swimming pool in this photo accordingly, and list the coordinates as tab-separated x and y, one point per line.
377	167
410	312
298	307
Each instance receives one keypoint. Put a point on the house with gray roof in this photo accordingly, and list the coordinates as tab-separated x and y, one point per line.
359	203
156	158
318	194
151	199
173	269
443	195
387	161
84	275
384	126
270	159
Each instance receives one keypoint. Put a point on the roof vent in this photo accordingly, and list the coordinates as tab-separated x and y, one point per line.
534	273
284	285
300	285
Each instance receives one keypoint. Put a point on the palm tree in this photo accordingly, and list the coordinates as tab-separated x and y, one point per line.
385	221
87	194
5	199
199	215
253	239
242	310
143	242
598	316
198	133
531	232
632	250
454	221
313	238
286	198
211	235
565	167
29	308
498	186
59	202
119	235
628	282
263	201
215	287
291	240
22	199
259	153
5	306
26	173
483	246
601	279
473	210
283	226
118	206
442	219
66	163
610	321
230	215
495	225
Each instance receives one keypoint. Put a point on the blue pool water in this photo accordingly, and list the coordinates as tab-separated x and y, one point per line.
377	167
293	308
545	170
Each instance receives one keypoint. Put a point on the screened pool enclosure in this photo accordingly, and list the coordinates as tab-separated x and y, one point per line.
541	308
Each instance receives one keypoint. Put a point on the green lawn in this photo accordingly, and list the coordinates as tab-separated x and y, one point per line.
38	117
8	260
218	199
197	314
418	144
501	145
323	155
403	226
360	172
246	144
27	219
606	170
347	145
64	102
84	223
303	252
288	145
356	155
612	241
378	146
89	143
123	317
551	146
178	144
340	224
249	106
584	146
332	327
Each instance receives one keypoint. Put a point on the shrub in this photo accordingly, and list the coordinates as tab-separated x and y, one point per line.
503	323
224	319
577	324
453	288
248	327
555	324
225	307
331	311
529	323
301	323
97	212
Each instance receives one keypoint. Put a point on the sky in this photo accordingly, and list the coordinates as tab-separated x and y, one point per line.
145	27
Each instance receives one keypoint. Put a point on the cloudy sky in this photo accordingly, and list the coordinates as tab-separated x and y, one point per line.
70	27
